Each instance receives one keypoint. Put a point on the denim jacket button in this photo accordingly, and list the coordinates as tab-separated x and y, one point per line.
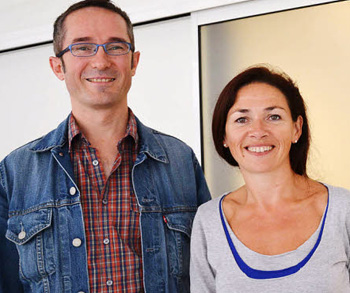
21	235
76	242
60	154
72	190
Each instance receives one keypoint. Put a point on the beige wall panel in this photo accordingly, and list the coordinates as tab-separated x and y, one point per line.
312	45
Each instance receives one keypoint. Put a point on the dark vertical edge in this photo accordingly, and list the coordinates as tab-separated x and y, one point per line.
201	124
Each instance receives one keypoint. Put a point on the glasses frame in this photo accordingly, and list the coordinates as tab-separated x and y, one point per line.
69	48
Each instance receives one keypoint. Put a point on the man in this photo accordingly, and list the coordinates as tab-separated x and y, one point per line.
102	203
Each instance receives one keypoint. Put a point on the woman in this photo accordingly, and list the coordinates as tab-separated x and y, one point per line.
281	231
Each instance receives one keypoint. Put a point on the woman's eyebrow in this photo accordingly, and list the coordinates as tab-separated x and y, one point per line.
268	109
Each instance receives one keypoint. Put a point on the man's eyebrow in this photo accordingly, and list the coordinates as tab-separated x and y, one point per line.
89	39
116	39
79	40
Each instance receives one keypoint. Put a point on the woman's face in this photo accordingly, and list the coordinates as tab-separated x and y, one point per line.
259	129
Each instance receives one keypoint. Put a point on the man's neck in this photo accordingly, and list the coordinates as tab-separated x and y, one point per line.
102	126
103	130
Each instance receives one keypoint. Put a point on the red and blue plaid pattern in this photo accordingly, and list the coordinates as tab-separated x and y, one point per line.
111	214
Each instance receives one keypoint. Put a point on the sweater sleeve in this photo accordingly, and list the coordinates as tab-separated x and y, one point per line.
201	274
347	223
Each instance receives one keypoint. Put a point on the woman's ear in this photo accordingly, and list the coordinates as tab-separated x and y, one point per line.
298	129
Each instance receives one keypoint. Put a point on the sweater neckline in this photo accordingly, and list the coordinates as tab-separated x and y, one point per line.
270	274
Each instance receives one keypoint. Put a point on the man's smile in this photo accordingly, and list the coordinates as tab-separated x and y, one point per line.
100	80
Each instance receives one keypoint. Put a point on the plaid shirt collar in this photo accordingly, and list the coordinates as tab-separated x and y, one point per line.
74	133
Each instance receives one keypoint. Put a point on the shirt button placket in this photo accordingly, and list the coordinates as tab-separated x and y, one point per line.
109	283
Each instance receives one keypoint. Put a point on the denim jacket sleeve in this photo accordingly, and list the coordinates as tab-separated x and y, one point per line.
9	270
203	194
170	185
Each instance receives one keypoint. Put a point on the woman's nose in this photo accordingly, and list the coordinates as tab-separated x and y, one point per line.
258	129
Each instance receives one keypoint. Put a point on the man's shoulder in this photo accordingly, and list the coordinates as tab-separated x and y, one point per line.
150	136
41	143
23	148
169	138
19	160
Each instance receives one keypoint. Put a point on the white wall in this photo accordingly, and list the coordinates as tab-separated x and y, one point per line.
34	101
161	94
25	22
165	92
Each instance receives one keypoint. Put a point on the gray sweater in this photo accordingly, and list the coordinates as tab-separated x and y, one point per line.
214	269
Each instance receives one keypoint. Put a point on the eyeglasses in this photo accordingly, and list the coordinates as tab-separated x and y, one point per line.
90	49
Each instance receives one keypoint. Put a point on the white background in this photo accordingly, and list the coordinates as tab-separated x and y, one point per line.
166	89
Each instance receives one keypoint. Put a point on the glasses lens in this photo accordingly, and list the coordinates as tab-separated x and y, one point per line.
117	48
83	49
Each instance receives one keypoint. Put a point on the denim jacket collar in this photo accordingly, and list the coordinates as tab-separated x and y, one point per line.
148	141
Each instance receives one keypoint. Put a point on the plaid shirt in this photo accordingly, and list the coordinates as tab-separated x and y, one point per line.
111	214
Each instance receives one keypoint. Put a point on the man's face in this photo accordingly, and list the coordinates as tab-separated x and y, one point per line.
100	81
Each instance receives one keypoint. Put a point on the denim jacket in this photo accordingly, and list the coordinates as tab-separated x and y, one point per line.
42	237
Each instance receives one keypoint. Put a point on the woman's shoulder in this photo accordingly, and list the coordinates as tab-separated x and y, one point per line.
207	220
211	204
339	199
208	209
339	193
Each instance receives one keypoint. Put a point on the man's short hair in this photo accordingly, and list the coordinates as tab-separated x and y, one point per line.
59	30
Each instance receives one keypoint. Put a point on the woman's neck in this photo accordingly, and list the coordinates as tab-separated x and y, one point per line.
269	189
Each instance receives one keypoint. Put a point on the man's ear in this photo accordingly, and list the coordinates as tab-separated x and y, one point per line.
135	61
57	67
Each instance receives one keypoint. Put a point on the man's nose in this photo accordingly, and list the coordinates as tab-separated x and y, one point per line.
101	59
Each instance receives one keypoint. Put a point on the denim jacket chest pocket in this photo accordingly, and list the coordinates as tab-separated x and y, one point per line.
33	236
178	241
